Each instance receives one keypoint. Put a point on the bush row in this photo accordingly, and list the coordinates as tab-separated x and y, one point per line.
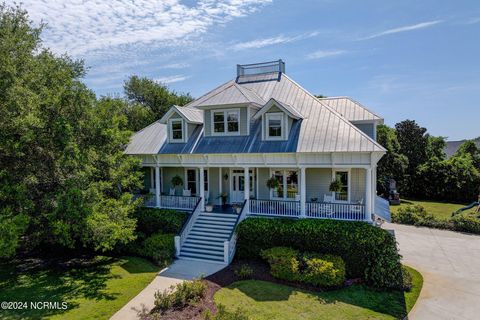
318	270
369	252
417	215
151	220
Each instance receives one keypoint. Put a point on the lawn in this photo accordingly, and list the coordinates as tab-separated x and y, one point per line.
93	289
440	210
266	300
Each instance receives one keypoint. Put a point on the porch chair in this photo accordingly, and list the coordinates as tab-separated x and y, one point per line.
187	193
358	207
172	191
327	207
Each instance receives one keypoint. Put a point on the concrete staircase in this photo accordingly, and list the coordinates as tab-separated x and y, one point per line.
205	239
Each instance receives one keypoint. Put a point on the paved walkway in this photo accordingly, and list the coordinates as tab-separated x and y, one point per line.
179	271
450	265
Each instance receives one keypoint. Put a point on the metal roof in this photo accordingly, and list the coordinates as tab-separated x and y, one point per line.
352	110
192	115
323	129
292	111
149	140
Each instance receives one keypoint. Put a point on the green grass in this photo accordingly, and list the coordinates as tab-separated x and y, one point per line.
440	210
95	291
266	300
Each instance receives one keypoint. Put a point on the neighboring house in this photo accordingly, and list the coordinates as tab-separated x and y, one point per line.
452	146
257	126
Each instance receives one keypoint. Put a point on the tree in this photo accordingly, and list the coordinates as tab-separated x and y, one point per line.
155	97
64	179
393	165
436	147
469	148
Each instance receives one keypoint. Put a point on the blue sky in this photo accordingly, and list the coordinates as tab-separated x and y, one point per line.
402	59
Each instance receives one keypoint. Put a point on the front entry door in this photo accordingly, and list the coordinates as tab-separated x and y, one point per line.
237	194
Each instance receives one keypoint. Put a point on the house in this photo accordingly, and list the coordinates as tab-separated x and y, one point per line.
261	126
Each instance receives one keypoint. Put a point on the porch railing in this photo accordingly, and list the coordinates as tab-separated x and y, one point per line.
275	208
230	245
182	236
338	211
178	202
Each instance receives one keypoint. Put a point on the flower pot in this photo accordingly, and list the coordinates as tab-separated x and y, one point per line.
209	208
238	210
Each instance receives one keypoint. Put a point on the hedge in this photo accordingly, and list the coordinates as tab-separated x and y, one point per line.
151	220
369	252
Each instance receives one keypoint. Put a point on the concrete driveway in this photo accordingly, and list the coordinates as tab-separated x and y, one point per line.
450	265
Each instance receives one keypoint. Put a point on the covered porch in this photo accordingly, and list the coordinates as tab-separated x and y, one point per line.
300	192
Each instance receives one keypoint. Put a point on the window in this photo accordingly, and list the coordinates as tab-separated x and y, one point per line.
205	179
343	195
288	184
275	126
226	121
176	130
192	181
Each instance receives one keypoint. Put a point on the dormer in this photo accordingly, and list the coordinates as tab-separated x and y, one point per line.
277	118
181	122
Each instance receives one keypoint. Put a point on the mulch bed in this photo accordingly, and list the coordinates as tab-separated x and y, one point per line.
225	277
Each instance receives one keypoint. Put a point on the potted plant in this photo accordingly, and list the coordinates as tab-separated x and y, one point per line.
176	181
237	208
209	207
273	183
224	197
335	186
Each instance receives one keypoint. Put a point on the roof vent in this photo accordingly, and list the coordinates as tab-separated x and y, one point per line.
260	68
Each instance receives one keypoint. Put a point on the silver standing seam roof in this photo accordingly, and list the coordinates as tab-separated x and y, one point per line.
352	110
322	129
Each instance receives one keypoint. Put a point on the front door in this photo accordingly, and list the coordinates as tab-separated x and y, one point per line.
237	193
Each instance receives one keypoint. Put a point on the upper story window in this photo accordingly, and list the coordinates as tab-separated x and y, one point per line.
275	126
226	122
176	133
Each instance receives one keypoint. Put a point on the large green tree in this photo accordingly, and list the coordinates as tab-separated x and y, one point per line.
64	178
148	100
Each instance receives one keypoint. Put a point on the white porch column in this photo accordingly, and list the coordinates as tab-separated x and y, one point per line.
220	177
157	187
202	188
303	192
368	194
247	189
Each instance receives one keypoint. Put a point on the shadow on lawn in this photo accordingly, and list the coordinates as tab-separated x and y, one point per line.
34	280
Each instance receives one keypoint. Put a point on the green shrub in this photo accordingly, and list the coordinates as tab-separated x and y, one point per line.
283	262
407	279
323	270
244	272
151	220
466	223
179	296
223	314
369	252
159	247
412	214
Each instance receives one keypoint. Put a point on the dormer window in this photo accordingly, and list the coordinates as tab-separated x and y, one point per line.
275	126
226	122
176	132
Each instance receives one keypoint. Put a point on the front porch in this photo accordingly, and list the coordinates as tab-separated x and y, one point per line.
301	192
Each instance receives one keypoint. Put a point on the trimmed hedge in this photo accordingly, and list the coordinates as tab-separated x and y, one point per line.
369	252
151	220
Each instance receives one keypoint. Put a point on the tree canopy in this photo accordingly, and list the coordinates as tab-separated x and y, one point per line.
64	179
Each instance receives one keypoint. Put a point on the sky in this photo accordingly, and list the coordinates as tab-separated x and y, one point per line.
402	59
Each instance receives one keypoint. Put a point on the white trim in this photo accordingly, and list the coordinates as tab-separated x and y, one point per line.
256	183
225	122
349	183
282	123
170	130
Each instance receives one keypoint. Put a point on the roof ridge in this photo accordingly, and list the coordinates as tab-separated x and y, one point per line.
361	105
337	114
241	88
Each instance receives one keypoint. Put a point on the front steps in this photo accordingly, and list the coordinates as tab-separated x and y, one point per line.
205	239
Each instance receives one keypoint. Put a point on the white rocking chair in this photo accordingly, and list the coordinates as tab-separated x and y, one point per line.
327	207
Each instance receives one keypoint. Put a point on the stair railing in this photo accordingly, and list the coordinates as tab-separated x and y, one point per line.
187	226
230	245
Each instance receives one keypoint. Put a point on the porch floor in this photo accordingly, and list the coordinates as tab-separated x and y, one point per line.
227	210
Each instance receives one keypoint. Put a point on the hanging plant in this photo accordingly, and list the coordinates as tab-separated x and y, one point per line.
273	183
177	181
335	186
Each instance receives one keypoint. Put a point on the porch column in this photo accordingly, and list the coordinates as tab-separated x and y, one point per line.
202	188
220	179
368	195
247	189
157	187
303	192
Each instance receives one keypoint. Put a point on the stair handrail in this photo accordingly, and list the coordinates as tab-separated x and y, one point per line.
230	244
180	238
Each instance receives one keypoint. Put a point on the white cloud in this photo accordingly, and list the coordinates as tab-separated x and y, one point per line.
84	26
172	79
280	39
325	53
412	27
473	20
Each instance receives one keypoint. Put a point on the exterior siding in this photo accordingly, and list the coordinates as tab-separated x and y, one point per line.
367	128
243	120
263	176
168	174
358	185
318	182
147	179
213	185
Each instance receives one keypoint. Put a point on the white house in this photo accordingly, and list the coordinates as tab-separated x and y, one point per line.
260	125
